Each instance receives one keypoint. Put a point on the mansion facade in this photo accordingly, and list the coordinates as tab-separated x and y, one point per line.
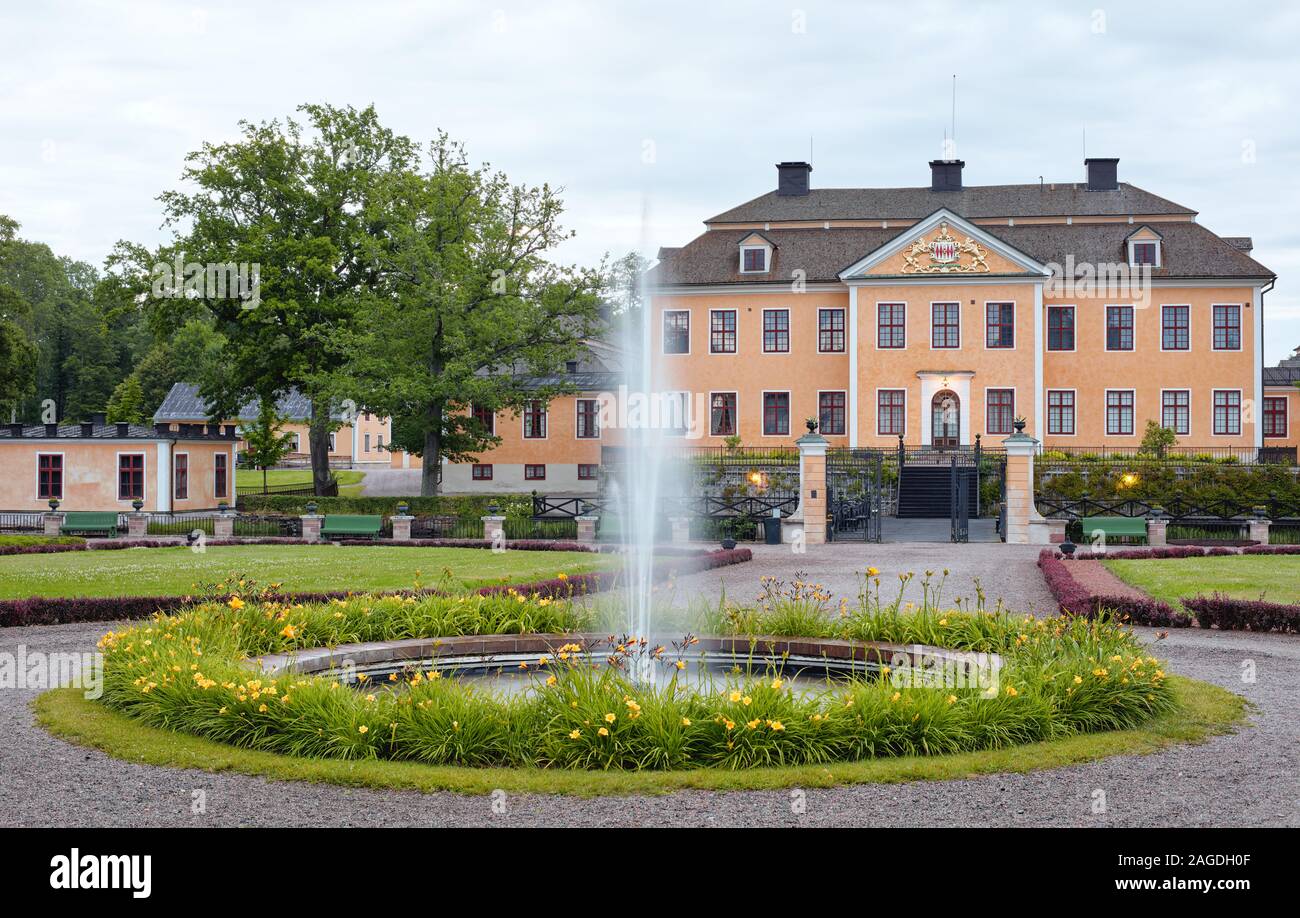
945	313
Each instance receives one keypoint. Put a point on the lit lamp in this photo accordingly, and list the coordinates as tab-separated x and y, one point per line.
1128	480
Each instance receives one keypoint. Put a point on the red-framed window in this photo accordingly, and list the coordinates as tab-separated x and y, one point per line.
830	331
221	476
722	414
1119	328
130	476
1227	327
1176	411
945	325
481	471
754	259
776	331
722	331
776	414
1060	412
1119	412
1000	404
1175	328
1144	253
588	471
486	417
831	413
588	427
1060	328
891	412
1000	325
677	331
535	421
49	476
1227	412
1275	419
534	472
181	476
891	325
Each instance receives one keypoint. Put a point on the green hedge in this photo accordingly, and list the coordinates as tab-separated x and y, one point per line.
462	506
1163	483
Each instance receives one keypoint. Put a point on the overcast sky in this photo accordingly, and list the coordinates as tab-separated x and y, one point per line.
656	115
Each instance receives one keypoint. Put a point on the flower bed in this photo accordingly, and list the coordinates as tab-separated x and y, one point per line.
1074	598
190	673
65	610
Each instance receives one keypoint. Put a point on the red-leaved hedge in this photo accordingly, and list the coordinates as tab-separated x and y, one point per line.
1230	614
1076	599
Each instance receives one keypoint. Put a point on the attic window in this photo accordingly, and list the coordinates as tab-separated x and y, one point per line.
571	366
753	259
1146	252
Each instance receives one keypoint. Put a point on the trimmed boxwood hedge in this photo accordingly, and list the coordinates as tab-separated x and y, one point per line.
461	506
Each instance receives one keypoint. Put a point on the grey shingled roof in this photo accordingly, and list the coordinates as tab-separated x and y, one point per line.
1189	250
183	403
974	202
1281	376
102	432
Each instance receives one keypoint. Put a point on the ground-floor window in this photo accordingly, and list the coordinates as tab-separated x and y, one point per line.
181	475
722	414
588	471
1176	411
831	412
481	472
49	476
890	404
1060	412
776	414
1275	417
1119	412
130	476
1000	405
220	476
1227	412
534	472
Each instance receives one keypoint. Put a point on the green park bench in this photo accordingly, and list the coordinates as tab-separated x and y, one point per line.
353	525
1114	527
89	521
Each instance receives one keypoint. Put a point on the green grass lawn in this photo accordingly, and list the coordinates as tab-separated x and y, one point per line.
249	481
1277	577
309	568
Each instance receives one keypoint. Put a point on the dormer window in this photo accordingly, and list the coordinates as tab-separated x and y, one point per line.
1144	252
753	259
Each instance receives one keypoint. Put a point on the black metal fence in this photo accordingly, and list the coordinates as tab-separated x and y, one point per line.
1174	455
1213	520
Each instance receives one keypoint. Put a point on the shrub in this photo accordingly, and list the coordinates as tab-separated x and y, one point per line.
1076	599
1228	613
460	506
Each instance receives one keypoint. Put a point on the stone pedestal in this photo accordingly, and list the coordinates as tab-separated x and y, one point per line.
223	527
587	528
1043	531
402	528
1025	526
811	512
1157	533
1259	531
792	528
137	525
681	528
311	526
52	523
494	528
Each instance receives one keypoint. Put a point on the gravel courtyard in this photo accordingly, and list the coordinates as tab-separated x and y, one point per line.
1249	778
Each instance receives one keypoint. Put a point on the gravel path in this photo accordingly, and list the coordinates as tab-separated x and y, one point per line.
1250	778
1097	577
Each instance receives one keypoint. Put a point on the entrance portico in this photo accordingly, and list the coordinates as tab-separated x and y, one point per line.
945	407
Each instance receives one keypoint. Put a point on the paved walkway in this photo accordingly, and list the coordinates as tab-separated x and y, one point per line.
1251	778
391	483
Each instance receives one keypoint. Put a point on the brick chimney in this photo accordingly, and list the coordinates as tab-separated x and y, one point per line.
945	174
1102	174
792	179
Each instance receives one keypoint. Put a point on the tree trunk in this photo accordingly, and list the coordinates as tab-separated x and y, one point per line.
429	476
318	436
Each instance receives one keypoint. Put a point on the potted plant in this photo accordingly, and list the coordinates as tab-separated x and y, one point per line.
54	504
403	509
811	424
137	505
1019	424
312	507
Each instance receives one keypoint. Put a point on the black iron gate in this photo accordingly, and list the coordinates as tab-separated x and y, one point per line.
854	501
959	485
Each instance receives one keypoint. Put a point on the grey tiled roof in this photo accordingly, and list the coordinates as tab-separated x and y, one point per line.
1281	376
183	403
1188	249
976	201
102	432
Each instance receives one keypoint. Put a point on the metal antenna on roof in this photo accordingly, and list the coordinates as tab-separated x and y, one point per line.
953	133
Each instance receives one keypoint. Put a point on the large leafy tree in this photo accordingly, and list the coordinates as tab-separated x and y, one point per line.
469	304
297	202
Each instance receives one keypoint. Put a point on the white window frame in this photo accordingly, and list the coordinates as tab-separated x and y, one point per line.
789	331
960	336
711	352
1160	254
767	258
1015	332
735	411
876	409
117	475
576	403
546	423
1047	331
175	456
63	473
1241	412
1047	409
843	392
1105	328
902	303
1191	415
1286	412
1190	335
762	412
843	312
229	481
1241	329
1105	413
1015	402
663	337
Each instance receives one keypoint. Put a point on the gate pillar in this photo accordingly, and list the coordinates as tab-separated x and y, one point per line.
1024	524
812	487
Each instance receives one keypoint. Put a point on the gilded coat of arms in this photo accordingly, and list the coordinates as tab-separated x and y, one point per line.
943	255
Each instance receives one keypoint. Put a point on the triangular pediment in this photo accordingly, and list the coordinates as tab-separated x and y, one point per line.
943	245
